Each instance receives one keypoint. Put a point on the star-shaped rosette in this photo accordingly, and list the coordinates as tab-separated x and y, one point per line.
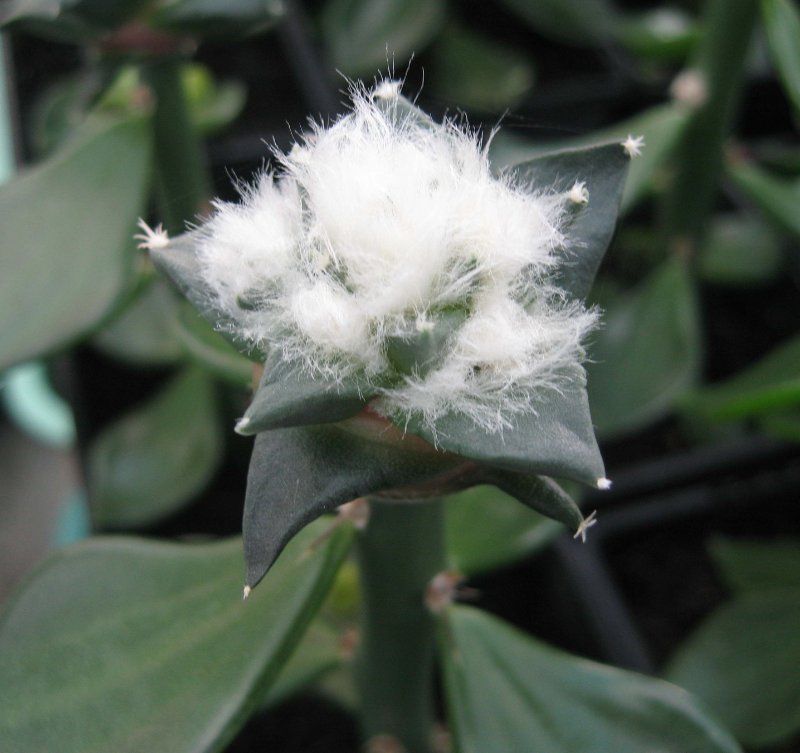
322	440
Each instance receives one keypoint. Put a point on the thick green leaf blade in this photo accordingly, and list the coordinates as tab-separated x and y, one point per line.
122	646
582	22
602	168
647	354
156	458
509	692
68	226
288	396
297	474
487	529
541	494
178	261
782	24
757	565
558	440
777	198
215	19
362	34
770	385
660	126
743	662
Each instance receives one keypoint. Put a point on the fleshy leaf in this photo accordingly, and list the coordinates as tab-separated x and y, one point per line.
67	237
558	440
117	633
298	474
486	529
742	662
647	355
156	458
288	396
178	261
508	692
543	495
660	126
590	227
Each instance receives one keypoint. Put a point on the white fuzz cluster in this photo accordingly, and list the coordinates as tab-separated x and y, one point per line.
376	228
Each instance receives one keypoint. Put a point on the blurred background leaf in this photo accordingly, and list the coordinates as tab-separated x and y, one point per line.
72	214
120	633
156	458
476	73
487	529
367	36
647	354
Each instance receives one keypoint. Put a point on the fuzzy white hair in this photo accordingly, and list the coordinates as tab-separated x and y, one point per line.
378	224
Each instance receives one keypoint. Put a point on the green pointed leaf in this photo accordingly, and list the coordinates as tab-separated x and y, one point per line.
156	458
770	385
208	348
558	440
647	353
360	34
487	529
661	127
473	71
509	692
218	20
122	646
141	333
68	229
742	660
543	495
297	474
757	565
782	24
777	198
739	250
603	169
582	22
288	396
178	261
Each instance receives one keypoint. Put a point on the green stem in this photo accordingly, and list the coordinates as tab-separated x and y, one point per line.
182	181
720	61
399	553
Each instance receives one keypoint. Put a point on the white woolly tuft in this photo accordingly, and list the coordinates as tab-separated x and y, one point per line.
378	222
